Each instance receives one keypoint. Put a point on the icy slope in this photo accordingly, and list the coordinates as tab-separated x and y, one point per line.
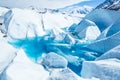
103	45
113	53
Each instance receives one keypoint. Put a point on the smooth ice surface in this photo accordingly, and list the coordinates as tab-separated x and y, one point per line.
108	69
101	17
105	44
113	53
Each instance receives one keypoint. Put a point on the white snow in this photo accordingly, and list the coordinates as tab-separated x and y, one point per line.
57	20
92	33
66	74
7	54
3	11
23	68
19	22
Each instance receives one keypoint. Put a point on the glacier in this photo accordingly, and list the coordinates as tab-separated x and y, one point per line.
113	53
52	46
37	39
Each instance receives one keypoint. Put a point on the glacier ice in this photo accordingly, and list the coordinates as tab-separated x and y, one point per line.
53	60
114	28
113	53
107	69
64	74
23	68
7	54
90	33
34	24
20	27
100	17
103	45
38	34
110	30
85	30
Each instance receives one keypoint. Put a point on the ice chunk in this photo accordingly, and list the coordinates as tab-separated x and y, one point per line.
113	53
114	28
104	45
111	30
83	25
102	69
60	35
3	10
86	30
101	17
64	74
7	54
58	20
23	23
53	60
24	69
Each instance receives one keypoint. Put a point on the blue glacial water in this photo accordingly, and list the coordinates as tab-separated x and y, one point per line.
36	46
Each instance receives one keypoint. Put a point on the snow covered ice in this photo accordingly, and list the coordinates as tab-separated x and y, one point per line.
59	44
23	68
